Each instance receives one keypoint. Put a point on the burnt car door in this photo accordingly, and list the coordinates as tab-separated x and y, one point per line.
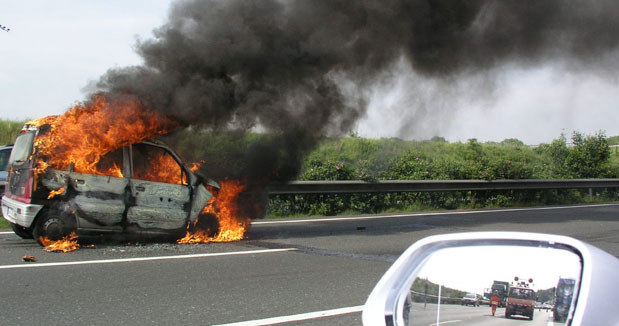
97	198
159	187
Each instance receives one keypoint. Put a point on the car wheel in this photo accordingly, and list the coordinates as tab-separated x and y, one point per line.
531	316
53	225
22	232
507	314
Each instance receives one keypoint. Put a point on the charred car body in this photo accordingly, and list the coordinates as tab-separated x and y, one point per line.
141	188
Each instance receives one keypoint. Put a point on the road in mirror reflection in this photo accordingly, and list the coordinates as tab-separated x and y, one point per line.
533	286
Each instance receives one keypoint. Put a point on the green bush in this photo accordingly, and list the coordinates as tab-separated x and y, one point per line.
329	170
9	131
353	158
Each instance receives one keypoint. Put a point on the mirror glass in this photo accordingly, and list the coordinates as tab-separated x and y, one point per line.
455	286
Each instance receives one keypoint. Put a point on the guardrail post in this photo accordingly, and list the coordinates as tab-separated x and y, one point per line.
425	295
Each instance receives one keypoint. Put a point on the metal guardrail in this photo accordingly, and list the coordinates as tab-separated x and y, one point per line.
422	297
429	298
335	187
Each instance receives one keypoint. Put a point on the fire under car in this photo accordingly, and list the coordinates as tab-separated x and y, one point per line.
142	188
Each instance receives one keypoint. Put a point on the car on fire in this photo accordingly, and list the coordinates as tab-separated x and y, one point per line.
142	188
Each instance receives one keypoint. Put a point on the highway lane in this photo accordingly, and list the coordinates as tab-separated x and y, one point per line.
457	315
203	291
317	265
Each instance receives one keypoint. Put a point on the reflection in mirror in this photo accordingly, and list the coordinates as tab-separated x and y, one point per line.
457	285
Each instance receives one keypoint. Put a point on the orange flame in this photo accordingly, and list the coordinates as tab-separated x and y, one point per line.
196	166
66	244
82	135
54	193
231	226
162	168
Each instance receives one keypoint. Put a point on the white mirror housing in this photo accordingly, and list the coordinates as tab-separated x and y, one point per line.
594	304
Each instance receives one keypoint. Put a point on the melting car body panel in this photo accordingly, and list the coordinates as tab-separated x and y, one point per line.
201	198
159	205
95	200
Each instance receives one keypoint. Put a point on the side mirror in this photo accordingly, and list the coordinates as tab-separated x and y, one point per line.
452	265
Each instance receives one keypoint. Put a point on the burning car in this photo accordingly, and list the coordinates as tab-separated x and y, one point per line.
142	187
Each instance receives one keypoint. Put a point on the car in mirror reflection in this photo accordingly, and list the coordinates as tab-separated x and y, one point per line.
470	299
420	287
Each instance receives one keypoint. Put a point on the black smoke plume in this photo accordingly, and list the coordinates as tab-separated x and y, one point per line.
278	66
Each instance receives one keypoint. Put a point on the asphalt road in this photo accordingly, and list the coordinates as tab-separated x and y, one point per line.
315	271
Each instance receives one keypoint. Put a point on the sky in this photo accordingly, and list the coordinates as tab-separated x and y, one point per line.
54	50
478	267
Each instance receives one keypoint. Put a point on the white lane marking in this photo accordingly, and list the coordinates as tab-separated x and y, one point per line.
446	322
550	319
354	218
372	217
127	260
299	317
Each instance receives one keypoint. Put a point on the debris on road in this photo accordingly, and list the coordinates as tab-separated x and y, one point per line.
29	258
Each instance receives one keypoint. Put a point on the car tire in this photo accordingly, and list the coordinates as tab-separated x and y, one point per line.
22	232
531	316
507	314
54	225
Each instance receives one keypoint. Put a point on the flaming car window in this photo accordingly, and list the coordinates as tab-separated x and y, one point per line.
152	163
111	164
